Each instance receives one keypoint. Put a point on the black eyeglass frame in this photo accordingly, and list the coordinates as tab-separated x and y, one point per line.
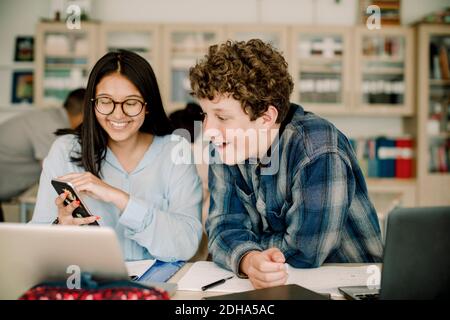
143	104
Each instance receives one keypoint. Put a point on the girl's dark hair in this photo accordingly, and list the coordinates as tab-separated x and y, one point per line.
92	137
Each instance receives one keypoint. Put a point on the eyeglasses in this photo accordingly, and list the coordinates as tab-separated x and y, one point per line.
131	107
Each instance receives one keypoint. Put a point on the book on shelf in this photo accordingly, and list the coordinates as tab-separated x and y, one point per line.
390	11
439	155
404	160
386	157
439	61
383	46
443	63
323	47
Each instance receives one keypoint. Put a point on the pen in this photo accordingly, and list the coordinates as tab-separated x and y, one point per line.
215	283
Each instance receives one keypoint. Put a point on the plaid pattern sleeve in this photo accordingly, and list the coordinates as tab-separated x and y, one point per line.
322	194
229	227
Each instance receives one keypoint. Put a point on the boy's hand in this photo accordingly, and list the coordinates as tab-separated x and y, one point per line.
265	269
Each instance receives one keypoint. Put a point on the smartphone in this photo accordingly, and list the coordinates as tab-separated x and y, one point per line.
82	210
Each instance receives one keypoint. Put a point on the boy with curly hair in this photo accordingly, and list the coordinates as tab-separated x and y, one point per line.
287	188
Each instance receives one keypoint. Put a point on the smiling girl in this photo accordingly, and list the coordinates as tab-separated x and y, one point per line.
120	160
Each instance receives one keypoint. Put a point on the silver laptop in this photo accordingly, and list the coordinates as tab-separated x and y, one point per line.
31	254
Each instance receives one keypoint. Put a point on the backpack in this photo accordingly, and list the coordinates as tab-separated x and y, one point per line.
91	289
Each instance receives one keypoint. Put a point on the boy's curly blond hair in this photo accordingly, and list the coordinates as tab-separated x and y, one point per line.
252	72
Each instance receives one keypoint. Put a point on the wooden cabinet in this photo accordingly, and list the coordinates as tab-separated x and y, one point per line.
433	97
276	35
141	38
320	67
384	71
337	71
63	59
184	45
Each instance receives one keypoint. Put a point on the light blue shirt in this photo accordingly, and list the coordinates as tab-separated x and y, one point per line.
162	219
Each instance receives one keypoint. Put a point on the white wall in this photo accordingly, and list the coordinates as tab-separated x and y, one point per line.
324	12
230	11
17	18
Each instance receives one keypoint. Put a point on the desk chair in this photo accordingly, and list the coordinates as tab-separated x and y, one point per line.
2	217
27	201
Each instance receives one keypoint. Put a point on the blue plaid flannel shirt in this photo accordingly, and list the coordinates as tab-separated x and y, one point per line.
315	208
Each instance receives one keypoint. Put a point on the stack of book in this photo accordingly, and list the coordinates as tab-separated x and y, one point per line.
385	157
439	59
439	155
390	11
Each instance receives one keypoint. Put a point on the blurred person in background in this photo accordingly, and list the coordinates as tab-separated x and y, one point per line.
26	139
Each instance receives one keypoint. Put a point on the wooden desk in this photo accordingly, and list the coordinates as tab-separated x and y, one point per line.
196	295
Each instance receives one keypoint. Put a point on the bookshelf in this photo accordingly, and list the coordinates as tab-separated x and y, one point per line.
384	79
320	67
141	38
405	189
333	60
63	59
184	45
390	11
433	96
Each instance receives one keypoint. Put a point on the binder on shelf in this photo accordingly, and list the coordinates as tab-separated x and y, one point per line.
387	157
404	161
372	162
386	154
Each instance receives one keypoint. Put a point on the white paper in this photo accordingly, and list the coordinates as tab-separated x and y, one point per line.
202	273
138	268
325	279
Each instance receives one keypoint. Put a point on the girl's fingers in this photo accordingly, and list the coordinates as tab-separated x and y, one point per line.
59	201
63	209
68	210
82	221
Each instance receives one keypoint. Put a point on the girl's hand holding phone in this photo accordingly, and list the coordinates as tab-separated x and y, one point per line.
65	212
96	188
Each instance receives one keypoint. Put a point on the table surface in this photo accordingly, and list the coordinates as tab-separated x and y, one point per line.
198	295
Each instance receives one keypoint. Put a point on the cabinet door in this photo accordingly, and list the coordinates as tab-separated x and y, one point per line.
383	72
64	58
184	46
143	39
320	69
277	36
434	115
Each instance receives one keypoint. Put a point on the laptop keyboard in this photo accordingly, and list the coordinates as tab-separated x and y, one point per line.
370	296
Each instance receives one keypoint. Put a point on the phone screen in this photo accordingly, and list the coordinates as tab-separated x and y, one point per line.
79	212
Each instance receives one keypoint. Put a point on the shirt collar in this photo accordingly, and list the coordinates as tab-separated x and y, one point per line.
152	151
265	160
